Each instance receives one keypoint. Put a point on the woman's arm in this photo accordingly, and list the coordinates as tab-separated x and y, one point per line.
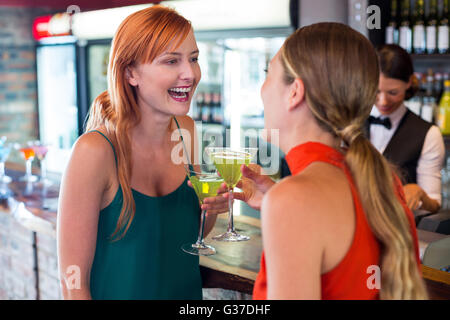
82	189
428	188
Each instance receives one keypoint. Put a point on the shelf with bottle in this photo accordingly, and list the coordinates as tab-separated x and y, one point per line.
416	31
208	107
431	89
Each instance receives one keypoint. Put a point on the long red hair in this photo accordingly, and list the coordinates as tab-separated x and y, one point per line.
140	38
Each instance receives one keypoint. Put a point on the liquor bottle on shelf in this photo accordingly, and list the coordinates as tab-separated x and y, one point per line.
405	32
206	110
443	29
431	32
197	115
419	39
217	108
428	101
444	110
438	85
392	28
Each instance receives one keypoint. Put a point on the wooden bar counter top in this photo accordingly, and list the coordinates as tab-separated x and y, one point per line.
234	266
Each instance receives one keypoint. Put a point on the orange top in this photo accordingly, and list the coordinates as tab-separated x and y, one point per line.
349	279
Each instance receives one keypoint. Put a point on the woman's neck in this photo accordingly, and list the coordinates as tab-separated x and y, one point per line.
153	130
300	135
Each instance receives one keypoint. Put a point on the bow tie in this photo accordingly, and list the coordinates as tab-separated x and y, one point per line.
386	122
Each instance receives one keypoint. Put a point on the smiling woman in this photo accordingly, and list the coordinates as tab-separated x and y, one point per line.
125	207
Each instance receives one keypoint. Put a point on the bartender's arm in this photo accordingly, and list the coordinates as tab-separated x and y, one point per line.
426	194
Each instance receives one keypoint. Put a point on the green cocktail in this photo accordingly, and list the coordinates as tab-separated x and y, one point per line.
206	183
205	186
228	163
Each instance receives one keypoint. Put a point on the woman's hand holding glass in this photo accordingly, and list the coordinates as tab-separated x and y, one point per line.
217	204
253	185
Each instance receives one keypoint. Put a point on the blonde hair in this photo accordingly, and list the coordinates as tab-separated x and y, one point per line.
140	38
339	69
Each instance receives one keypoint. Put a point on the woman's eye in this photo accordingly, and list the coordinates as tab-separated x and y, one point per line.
172	61
266	70
195	59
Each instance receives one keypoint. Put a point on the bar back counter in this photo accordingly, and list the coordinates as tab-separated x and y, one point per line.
28	255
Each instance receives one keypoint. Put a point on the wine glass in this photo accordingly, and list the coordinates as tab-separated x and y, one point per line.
28	154
40	151
5	150
228	162
206	182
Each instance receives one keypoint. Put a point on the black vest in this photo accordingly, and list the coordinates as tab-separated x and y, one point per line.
405	146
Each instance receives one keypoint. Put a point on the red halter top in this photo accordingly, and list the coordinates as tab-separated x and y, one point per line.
348	280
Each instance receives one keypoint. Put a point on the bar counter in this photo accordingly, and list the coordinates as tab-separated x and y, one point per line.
234	266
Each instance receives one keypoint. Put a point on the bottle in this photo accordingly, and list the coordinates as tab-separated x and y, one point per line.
206	109
444	110
438	86
443	29
427	111
217	114
198	107
431	33
392	27
405	33
419	39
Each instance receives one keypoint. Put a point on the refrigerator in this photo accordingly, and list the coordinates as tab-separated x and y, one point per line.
56	66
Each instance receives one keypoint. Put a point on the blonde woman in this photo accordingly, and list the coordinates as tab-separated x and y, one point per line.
125	206
339	223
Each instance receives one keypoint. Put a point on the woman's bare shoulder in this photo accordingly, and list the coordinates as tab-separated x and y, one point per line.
93	149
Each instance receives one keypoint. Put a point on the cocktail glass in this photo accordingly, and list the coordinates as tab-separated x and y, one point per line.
228	162
40	151
28	154
206	183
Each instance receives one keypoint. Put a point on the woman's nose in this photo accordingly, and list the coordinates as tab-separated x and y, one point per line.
381	99
187	71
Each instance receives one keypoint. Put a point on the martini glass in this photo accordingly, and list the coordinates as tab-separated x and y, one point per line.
5	150
28	154
206	183
40	151
228	162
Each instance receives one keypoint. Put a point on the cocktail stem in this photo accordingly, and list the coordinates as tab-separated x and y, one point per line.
28	167
230	213
202	228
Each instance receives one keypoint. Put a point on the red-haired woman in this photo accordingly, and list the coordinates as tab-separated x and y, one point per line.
125	206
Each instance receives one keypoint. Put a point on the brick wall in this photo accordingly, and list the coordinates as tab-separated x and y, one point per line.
18	94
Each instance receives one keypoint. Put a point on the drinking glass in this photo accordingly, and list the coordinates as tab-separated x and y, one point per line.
206	182
228	162
28	154
5	150
40	151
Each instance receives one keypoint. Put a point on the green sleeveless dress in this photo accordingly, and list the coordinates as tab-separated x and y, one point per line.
148	262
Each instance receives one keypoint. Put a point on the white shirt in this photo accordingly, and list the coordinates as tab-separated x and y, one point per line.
431	158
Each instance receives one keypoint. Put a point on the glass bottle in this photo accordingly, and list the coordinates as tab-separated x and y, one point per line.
392	27
419	39
443	29
405	33
444	110
431	33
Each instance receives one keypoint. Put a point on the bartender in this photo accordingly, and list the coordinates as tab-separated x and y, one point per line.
413	145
